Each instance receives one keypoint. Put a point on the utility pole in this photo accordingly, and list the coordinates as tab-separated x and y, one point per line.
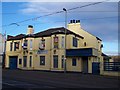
65	39
4	50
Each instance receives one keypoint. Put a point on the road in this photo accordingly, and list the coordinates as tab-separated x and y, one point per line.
40	79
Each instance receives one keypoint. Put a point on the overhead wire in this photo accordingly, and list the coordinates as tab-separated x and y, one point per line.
54	13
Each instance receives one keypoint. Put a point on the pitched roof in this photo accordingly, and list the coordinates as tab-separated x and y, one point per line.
48	32
18	37
51	31
98	38
106	56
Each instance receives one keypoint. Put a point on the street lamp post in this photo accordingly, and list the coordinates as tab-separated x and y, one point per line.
4	49
65	39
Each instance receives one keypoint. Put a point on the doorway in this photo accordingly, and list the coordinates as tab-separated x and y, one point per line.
13	62
85	64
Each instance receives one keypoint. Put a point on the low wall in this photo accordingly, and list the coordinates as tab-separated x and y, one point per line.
111	73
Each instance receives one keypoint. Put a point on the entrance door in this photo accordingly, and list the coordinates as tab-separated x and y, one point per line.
13	62
95	68
55	61
24	61
85	64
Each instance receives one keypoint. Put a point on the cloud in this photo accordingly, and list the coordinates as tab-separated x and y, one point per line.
108	32
56	0
42	7
106	29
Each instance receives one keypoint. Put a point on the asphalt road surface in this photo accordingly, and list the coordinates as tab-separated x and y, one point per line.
41	79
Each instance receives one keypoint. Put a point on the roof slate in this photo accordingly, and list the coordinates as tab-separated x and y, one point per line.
46	33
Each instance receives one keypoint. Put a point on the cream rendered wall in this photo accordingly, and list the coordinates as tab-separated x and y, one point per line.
12	53
70	42
8	46
36	64
28	48
88	38
90	61
77	68
59	52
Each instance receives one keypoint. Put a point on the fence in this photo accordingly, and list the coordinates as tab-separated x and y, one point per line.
112	66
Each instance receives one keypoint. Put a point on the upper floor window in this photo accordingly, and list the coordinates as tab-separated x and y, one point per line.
20	61
55	42
30	44
85	44
75	42
11	44
16	45
42	44
25	44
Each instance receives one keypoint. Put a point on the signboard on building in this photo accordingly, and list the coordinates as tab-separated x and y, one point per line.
42	51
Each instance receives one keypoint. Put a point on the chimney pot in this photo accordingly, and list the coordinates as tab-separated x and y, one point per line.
30	26
78	21
73	21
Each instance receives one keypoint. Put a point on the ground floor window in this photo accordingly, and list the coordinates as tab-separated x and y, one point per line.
30	61
74	62
42	60
55	61
20	61
24	61
62	63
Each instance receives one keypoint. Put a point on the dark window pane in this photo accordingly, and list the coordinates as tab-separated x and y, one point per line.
55	61
11	46
25	61
42	60
20	61
74	62
14	46
74	42
62	61
30	61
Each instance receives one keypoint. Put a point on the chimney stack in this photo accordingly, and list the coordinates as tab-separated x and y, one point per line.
74	26
30	29
74	21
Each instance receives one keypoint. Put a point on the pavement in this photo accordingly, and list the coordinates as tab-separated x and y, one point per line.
50	80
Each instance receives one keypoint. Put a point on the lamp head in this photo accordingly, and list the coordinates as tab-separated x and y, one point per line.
64	9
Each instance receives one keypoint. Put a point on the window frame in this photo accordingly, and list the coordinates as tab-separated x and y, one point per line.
11	46
30	61
20	61
62	61
31	44
42	61
56	43
75	42
55	61
74	62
